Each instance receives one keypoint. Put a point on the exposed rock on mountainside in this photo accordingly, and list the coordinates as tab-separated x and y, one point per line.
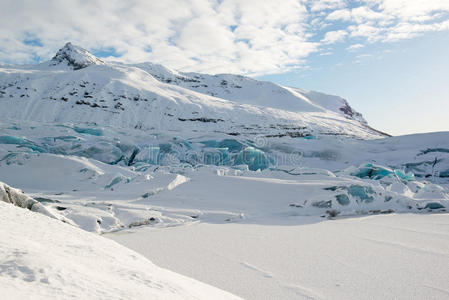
19	198
75	57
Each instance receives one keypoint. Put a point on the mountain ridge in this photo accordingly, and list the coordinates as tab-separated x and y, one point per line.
75	86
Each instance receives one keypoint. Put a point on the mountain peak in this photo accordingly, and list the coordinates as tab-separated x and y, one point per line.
75	57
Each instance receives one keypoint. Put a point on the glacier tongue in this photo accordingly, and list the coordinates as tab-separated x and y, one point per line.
425	158
103	198
104	179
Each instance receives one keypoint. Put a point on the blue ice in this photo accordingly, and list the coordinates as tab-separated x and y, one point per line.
254	158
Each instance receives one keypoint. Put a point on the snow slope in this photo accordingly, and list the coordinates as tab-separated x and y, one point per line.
77	87
43	258
246	90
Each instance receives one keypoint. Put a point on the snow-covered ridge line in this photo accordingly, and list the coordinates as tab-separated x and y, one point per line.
250	91
77	87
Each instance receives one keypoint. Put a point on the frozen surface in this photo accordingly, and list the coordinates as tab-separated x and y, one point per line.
377	257
43	258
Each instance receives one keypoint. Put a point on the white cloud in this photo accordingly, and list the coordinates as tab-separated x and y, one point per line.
361	14
409	30
372	33
411	9
354	47
391	20
201	35
318	5
341	14
251	36
334	36
365	14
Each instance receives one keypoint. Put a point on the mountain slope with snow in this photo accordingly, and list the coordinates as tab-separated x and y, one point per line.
77	87
246	90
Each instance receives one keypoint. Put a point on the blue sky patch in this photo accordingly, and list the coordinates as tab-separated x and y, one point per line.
33	42
106	52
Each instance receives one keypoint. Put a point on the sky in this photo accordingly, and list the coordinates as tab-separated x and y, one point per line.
388	58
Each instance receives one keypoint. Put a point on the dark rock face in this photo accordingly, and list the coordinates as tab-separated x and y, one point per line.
75	57
351	113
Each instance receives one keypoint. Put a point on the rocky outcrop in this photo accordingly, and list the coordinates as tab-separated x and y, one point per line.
75	57
19	198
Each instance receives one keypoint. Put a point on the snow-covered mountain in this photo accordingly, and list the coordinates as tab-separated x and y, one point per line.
246	90
76	87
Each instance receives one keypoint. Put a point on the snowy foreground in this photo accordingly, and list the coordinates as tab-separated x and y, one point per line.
43	258
403	256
